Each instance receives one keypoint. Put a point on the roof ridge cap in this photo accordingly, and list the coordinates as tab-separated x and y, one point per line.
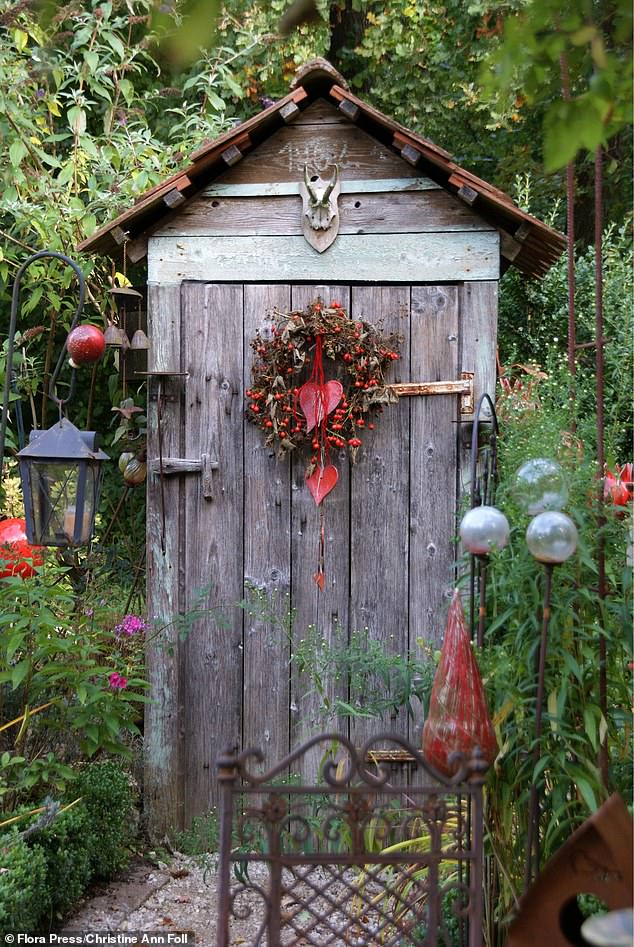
318	68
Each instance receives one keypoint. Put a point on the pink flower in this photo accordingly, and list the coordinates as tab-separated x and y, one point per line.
130	625
117	682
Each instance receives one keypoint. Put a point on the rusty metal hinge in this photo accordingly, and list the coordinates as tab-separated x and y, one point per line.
463	387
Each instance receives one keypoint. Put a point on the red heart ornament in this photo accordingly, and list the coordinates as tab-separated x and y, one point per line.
313	398
321	482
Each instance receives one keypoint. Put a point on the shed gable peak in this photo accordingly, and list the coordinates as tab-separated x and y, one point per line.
319	92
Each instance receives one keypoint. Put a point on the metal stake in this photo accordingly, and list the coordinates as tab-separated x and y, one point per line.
532	838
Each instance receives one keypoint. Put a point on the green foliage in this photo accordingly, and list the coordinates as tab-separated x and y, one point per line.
23	888
374	681
567	773
533	328
596	41
68	857
201	841
56	659
49	861
371	680
106	795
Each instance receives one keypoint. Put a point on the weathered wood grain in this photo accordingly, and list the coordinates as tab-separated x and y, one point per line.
379	517
322	113
350	110
478	334
425	211
262	528
374	258
213	356
163	736
433	447
290	112
478	338
282	156
284	188
327	610
267	559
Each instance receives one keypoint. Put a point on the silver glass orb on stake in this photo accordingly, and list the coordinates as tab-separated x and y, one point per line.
551	537
483	529
540	485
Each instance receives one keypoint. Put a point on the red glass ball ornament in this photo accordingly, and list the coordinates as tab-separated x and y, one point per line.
86	344
17	556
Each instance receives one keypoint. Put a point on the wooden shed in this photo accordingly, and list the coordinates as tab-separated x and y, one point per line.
420	247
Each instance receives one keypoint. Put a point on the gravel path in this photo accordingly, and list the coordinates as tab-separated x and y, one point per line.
180	896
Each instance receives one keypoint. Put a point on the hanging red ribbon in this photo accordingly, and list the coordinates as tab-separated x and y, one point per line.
317	399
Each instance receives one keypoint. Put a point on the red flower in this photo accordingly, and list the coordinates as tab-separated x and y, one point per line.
617	487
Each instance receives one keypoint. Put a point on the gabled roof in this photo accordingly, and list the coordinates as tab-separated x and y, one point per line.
526	242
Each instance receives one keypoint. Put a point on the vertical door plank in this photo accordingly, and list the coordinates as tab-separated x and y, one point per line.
214	358
380	507
267	562
433	456
163	787
478	334
324	611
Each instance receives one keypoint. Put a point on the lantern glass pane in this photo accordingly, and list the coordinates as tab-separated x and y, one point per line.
64	498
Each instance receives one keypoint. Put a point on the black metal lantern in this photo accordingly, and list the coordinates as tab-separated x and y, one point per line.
61	472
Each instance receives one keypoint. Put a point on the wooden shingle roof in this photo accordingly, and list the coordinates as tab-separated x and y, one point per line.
526	242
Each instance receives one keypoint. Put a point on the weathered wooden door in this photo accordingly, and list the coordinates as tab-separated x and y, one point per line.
390	524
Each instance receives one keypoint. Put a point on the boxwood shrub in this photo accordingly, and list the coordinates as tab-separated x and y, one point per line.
43	873
23	883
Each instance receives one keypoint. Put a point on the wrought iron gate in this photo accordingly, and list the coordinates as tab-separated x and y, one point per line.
352	860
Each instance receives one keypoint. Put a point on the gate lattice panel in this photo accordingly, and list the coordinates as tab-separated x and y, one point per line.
352	861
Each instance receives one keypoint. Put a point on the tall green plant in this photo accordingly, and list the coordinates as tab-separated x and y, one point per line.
567	772
70	684
533	328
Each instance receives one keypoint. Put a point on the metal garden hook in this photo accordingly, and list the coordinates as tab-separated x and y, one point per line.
15	302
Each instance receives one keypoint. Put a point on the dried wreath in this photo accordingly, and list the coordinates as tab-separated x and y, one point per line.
294	410
325	414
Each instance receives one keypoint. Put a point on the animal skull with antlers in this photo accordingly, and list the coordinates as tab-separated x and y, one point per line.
320	213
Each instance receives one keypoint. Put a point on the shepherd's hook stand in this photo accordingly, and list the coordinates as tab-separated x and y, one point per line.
15	303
